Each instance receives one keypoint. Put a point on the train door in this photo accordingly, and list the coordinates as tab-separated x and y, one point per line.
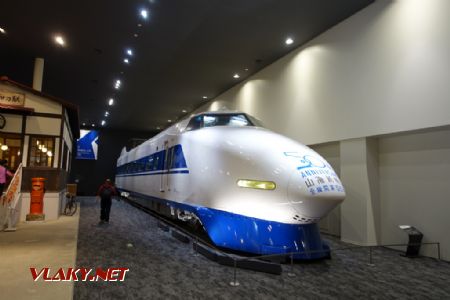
164	181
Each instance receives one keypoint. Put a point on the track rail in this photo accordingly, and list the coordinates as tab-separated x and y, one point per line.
165	220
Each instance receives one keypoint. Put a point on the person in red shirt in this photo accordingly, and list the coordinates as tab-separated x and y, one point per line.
105	192
4	173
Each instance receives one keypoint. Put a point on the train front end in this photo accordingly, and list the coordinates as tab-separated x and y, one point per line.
262	193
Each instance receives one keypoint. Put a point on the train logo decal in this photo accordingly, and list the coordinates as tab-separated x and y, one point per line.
307	161
317	175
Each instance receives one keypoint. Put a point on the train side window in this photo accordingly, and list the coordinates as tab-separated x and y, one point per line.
195	123
149	165
156	164
170	163
178	160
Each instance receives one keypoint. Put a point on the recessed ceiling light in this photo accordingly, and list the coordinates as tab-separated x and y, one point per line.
236	76
158	128
84	124
59	40
111	101
103	122
289	41
170	121
184	111
139	25
144	13
93	125
129	52
106	113
2	30
135	35
125	60
205	97
117	84
246	70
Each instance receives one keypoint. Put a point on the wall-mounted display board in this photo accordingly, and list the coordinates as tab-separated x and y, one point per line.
87	144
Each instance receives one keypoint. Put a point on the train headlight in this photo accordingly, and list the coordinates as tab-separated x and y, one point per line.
256	184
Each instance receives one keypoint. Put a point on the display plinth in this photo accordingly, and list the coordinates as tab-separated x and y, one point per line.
35	217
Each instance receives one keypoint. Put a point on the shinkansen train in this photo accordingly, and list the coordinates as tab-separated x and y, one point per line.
252	190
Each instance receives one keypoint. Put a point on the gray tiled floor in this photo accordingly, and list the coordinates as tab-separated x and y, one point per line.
164	268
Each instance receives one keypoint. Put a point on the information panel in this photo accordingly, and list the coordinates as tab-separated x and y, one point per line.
87	144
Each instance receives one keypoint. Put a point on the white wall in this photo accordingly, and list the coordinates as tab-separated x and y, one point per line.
386	69
67	136
415	187
53	205
43	125
26	143
331	224
383	71
39	104
359	173
13	123
56	153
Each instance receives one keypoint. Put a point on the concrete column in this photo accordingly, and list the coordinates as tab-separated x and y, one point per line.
360	212
38	73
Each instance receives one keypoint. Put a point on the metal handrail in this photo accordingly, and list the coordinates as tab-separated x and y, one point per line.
13	184
10	199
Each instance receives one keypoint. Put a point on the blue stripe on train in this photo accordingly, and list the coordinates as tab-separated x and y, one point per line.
254	235
156	173
155	162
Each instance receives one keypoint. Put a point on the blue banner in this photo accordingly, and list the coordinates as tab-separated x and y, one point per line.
87	144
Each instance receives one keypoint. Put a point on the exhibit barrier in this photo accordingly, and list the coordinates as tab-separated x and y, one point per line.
256	263
291	272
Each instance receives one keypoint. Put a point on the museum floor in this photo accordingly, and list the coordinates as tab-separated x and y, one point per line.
161	267
50	244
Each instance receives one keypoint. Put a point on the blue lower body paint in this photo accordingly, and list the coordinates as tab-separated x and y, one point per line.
252	235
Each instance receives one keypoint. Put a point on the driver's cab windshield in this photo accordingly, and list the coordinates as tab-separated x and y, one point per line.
211	120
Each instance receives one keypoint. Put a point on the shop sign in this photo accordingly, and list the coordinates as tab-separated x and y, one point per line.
13	99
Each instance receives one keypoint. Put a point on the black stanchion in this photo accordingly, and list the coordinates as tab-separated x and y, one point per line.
370	257
439	250
234	282
291	272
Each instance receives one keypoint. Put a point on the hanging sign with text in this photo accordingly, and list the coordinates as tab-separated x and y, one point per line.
12	99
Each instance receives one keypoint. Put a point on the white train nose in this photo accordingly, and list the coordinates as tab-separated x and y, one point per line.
313	192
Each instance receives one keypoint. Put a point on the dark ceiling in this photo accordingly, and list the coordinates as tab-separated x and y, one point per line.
183	51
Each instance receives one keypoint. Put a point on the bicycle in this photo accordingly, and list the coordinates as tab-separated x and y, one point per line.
71	205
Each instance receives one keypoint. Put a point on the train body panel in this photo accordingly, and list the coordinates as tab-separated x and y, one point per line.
252	190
